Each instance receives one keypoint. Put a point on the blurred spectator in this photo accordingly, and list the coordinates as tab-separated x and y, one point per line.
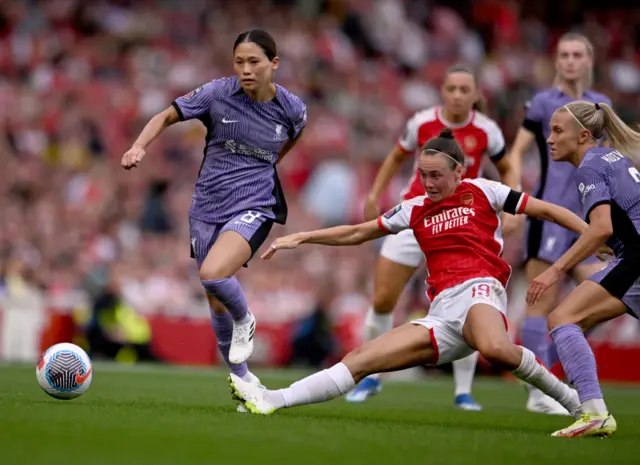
313	340
78	81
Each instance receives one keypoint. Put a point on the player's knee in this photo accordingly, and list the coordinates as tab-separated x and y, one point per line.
563	316
213	271
501	354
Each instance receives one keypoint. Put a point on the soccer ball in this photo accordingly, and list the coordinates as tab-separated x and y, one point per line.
64	371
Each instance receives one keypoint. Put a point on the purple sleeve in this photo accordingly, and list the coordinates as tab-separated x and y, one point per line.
593	187
534	115
606	100
298	117
196	103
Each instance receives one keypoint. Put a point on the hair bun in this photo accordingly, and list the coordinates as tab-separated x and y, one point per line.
446	133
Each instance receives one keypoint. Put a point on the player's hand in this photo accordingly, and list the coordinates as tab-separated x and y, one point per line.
371	208
132	157
286	242
543	282
511	223
604	253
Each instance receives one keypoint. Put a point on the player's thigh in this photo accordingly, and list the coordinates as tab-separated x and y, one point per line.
586	306
485	330
238	241
448	315
543	307
403	347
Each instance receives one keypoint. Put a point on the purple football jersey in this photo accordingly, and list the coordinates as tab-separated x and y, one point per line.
555	177
607	176
243	140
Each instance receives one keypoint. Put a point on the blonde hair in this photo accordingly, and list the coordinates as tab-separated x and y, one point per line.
600	120
587	81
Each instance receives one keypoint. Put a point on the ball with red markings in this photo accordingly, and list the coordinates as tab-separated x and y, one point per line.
64	371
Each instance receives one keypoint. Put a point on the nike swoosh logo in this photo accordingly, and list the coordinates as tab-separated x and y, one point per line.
584	429
80	379
227	121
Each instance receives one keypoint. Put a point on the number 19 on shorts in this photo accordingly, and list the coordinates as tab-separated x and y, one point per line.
481	290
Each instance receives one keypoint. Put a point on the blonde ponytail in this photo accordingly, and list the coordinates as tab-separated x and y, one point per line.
600	120
622	137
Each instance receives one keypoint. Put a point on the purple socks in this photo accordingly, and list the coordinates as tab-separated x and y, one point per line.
229	293
534	336
223	327
577	360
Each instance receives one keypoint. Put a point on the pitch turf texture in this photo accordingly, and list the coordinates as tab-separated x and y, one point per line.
157	415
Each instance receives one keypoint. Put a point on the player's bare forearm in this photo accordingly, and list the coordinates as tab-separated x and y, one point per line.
509	174
586	245
556	214
155	126
389	168
524	139
344	235
595	235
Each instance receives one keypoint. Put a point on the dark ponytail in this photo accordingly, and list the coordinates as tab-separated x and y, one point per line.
445	143
481	105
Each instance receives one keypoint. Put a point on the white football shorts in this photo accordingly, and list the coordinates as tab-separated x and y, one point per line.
448	313
402	248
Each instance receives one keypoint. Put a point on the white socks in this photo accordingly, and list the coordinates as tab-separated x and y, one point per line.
319	387
463	373
596	406
538	376
376	324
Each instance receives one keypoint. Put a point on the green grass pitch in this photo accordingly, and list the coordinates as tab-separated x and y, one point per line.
163	415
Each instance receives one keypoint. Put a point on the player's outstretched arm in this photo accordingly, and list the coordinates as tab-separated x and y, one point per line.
555	213
599	230
153	129
336	236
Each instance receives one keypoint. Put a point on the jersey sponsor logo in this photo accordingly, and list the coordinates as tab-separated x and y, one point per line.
449	219
584	190
466	199
242	149
229	121
393	211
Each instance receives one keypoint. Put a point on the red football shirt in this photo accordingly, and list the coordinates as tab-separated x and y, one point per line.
477	135
461	236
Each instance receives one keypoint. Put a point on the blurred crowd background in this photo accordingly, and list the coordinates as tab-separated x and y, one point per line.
78	81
